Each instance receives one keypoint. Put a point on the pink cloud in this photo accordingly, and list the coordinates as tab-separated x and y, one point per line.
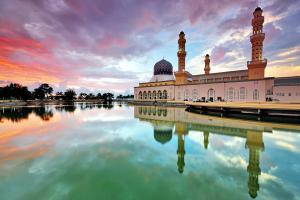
111	41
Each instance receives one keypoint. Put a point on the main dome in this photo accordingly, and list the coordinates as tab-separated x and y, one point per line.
163	67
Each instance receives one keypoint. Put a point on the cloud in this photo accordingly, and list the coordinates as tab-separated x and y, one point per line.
64	41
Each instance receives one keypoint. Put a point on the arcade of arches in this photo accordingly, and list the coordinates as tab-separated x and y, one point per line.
209	94
153	94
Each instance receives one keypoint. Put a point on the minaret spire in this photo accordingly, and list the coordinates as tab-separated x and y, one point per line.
207	67
256	67
255	145
181	52
181	75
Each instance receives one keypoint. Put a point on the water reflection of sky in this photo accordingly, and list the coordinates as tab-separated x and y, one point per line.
99	152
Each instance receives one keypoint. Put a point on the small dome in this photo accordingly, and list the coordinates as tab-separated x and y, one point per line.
163	67
258	9
181	33
163	136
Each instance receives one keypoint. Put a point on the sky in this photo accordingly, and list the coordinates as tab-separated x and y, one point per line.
112	45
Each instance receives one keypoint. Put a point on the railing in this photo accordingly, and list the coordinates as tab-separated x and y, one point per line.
257	61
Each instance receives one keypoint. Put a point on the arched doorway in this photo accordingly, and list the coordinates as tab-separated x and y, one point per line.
242	94
186	94
165	94
195	94
255	95
159	94
211	94
230	96
154	94
149	95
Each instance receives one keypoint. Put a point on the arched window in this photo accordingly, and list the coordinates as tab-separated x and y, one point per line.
154	111
211	94
230	96
140	95
159	94
149	94
242	93
255	94
144	95
144	110
165	112
195	94
165	94
186	94
154	94
159	112
179	96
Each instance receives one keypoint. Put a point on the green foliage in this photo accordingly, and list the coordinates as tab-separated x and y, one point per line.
19	92
129	96
15	91
44	90
70	94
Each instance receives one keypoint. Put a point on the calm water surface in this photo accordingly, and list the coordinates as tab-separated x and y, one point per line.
88	151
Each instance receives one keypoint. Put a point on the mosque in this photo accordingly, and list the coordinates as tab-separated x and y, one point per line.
249	85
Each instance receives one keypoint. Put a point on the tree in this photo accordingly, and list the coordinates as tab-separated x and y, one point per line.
38	93
15	91
108	96
59	95
90	96
70	94
99	96
82	95
44	90
25	94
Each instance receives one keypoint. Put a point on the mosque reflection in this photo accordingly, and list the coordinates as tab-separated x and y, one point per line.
167	121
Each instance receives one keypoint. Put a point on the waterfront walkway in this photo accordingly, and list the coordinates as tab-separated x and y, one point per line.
248	105
261	110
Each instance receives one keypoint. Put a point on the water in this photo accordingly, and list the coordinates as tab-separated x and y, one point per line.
89	151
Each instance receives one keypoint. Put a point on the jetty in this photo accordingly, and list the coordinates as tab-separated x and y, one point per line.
265	109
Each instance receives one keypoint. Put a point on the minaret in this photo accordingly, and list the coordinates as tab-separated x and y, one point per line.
256	67
181	75
180	154
181	130
206	135
207	61
181	54
256	145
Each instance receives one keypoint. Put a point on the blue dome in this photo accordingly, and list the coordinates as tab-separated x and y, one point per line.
163	67
163	136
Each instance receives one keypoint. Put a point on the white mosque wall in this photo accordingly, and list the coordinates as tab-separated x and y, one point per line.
242	91
287	93
247	91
